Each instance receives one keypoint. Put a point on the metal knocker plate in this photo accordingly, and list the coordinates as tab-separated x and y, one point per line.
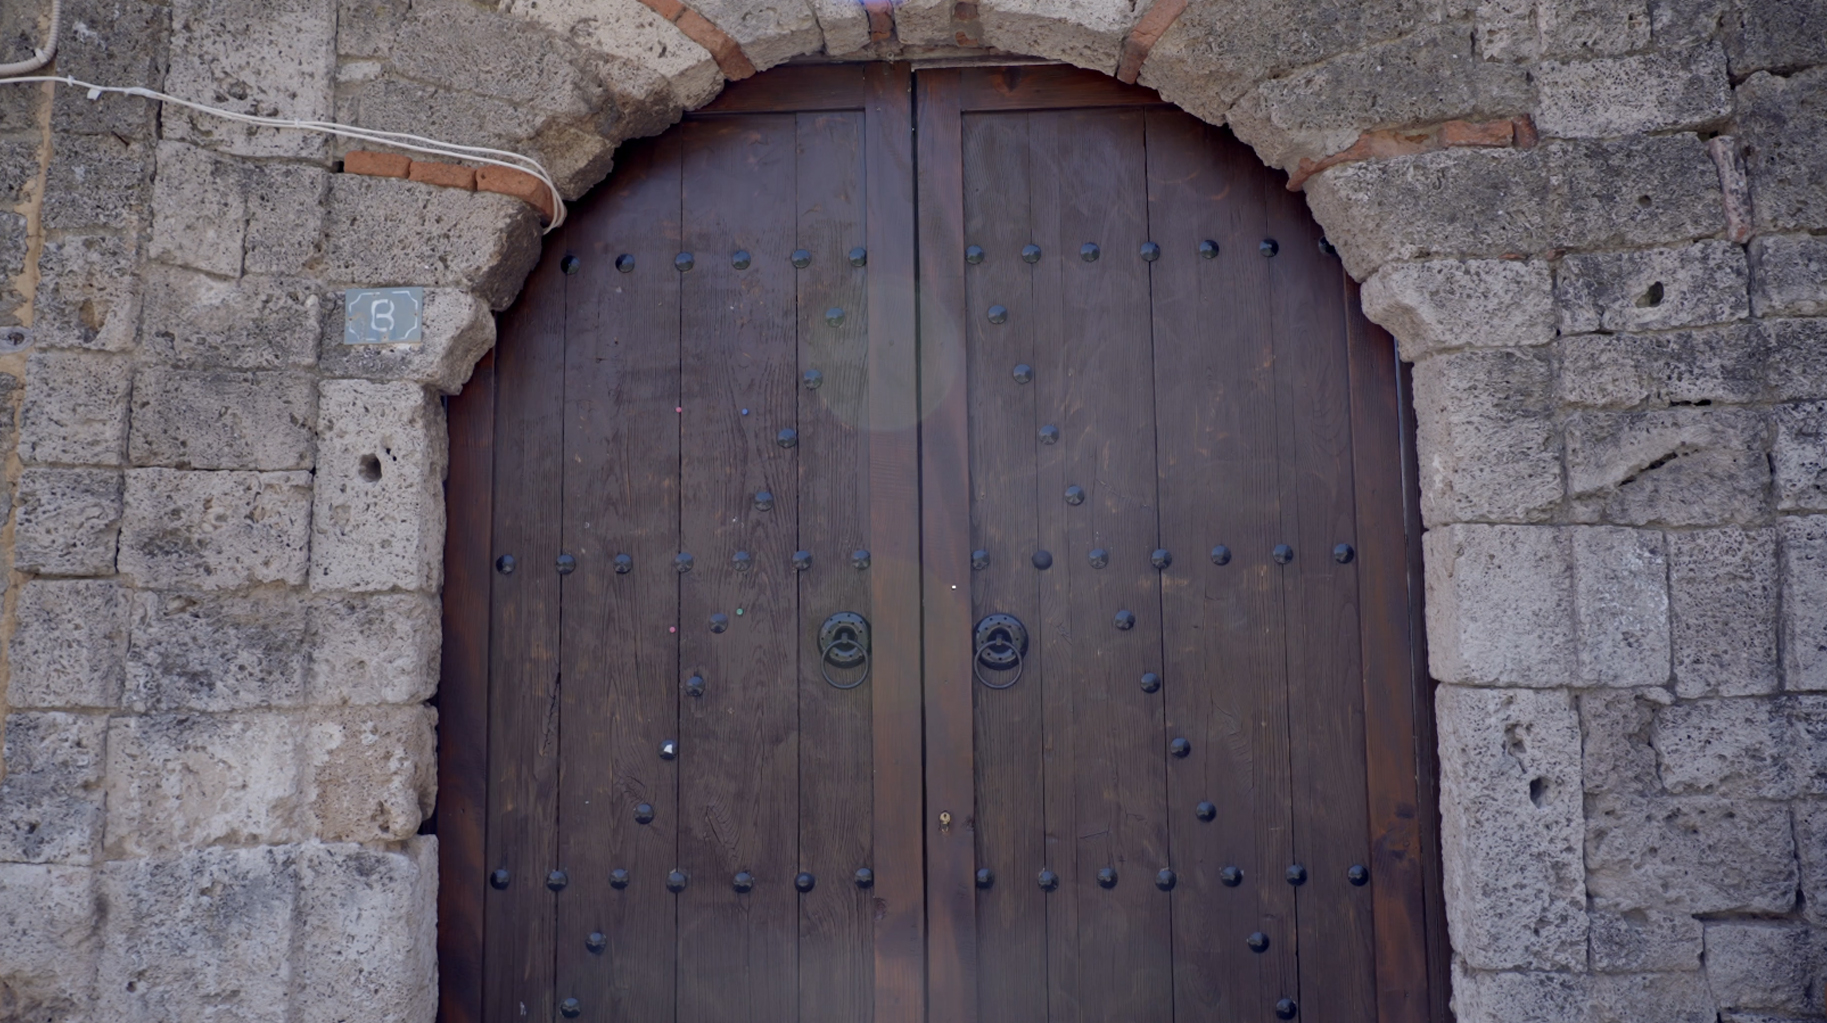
1001	642
843	642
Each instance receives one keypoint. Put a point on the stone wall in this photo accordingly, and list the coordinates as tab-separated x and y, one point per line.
1596	226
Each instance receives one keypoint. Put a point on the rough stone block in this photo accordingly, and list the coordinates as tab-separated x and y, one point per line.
1811	851
1500	605
1723	609
1636	940
1620	606
51	797
215	530
1587	28
1678	23
372	772
1679	467
1716	365
1448	303
1669	997
1690	855
194	320
216	652
183	781
204	935
223	419
1634	191
88	292
378	522
1519	997
50	936
381	648
120	41
1655	289
1788	275
1773	965
391	104
633	36
285	232
844	24
1735	748
1511	827
69	648
274	58
368	28
199	214
457	329
1780	121
384	231
1799	457
1616	756
75	410
771	34
1488	444
1807	742
96	181
1634	94
1775	34
1804	623
456	45
68	521
368	932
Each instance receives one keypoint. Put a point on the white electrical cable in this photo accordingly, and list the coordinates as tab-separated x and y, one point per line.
39	58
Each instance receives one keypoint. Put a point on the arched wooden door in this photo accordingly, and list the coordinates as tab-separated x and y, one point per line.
935	547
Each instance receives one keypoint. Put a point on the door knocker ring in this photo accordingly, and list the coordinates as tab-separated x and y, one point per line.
843	642
1001	643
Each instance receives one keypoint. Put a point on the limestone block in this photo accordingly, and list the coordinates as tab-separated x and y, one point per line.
1797	367
1723	611
88	292
459	46
1807	742
1634	940
1799	457
1449	303
371	772
273	58
1714	365
184	781
1088	34
1511	827
1615	726
195	320
648	55
391	104
96	181
215	530
199	214
368	932
216	652
1653	289
367	28
1804	623
1775	34
1670	997
1500	605
18	169
1488	444
1634	94
223	419
1519	997
1780	121
378	521
1620	606
51	797
845	25
284	218
69	648
1774	965
75	410
1737	748
1788	275
50	936
378	648
68	521
1505	30
1679	467
14	244
204	935
1678	23
1811	850
120	41
384	231
1588	28
774	33
1690	854
457	329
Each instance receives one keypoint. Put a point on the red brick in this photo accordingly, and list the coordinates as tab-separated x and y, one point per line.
449	175
518	184
668	9
379	165
730	59
1142	38
1378	145
1526	136
1498	134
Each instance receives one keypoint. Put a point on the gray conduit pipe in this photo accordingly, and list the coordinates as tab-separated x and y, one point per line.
42	57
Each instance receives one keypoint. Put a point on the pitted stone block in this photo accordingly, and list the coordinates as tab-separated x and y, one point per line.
199	214
1450	303
774	33
272	58
1811	850
88	292
1488	445
284	218
1633	191
68	521
1716	365
75	410
197	321
1653	289
1620	606
1723	599
1634	94
1500	605
1616	758
1780	122
1679	467
215	530
1788	275
379	648
1087	34
1766	964
223	419
457	329
1638	940
120	42
184	781
385	232
51	797
216	652
1588	28
845	25
1736	748
97	182
367	931
371	772
457	45
378	522
1775	34
1690	854
70	646
1804	623
50	937
1800	457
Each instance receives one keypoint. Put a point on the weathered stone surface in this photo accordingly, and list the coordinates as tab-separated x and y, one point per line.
457	45
418	108
1500	605
204	935
1627	95
69	648
1616	757
634	37
1691	854
51	797
1723	599
1449	303
456	330
381	648
371	772
1717	365
199	210
284	218
50	924
1636	940
216	652
273	58
88	292
120	41
773	33
1679	467
384	231
96	181
368	28
1799	457
1588	28
1780	120
1511	827
1653	289
223	419
184	781
1788	275
75	410
215	530
1806	739
1811	852
1673	997
1804	623
1519	997
844	24
367	932
194	320
1766	965
1488	444
378	522
1678	23
1775	34
1735	748
1634	191
68	521
1620	606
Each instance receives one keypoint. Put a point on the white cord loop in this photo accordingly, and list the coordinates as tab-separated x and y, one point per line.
39	58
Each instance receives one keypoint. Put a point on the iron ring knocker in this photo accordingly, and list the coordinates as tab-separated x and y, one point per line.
977	662
854	650
843	642
1001	644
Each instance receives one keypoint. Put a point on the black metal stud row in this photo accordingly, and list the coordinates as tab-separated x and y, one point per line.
1149	251
684	262
683	562
676	881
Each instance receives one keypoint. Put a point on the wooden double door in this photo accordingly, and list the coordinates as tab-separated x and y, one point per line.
935	547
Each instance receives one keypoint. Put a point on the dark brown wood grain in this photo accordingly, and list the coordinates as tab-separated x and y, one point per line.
794	89
1045	87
